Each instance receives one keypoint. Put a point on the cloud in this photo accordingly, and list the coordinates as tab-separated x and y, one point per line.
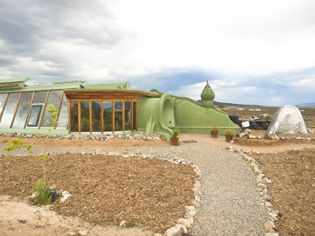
273	89
241	46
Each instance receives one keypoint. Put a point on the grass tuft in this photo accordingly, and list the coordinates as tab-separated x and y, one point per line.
42	191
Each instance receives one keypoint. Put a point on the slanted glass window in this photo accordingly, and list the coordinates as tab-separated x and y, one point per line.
9	110
127	115
96	116
108	116
3	97
118	116
40	97
74	116
34	116
22	111
54	100
63	114
37	108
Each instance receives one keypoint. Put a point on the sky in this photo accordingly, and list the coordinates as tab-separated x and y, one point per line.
251	52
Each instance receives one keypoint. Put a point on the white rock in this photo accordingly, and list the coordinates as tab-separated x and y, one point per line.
197	184
267	180
259	178
188	208
82	232
122	223
187	222
273	216
256	170
272	234
65	195
177	230
269	226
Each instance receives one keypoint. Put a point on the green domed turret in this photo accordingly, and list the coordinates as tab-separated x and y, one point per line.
207	96
207	93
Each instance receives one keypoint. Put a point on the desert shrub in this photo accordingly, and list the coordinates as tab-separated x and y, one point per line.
175	132
214	131
42	192
18	144
130	223
229	134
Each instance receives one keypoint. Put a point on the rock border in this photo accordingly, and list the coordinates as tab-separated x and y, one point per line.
262	182
137	135
183	224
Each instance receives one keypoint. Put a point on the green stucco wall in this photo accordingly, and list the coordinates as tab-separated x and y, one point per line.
159	115
191	117
156	115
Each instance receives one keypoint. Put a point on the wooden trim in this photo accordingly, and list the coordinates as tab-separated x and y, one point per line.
60	105
44	110
90	117
69	117
16	109
102	117
103	100
79	117
113	117
88	94
131	115
4	105
29	109
123	116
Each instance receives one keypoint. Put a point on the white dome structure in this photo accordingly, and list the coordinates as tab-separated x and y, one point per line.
287	120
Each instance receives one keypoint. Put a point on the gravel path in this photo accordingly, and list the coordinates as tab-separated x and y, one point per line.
230	204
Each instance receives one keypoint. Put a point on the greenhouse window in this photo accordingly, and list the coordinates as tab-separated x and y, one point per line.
34	116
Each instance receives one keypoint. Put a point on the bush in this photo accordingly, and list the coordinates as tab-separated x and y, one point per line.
229	134
42	192
214	131
175	132
130	223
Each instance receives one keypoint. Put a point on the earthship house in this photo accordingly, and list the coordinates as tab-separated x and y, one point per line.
103	108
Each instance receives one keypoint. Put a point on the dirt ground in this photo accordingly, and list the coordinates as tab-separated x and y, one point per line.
18	218
113	143
292	189
106	190
266	142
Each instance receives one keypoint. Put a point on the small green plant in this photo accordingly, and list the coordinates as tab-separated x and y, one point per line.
18	144
130	223
175	132
214	131
53	111
229	135
42	192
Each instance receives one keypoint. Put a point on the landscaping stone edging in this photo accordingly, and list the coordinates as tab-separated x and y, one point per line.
261	186
183	224
137	135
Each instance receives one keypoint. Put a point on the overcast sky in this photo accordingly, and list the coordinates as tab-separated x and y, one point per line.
250	51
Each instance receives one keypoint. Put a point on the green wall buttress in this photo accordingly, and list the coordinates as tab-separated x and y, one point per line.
191	117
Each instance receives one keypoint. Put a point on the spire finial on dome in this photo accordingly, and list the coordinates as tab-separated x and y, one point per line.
207	93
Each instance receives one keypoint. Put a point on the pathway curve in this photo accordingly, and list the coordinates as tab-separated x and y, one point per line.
230	204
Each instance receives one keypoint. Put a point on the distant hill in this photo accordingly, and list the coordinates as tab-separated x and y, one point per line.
227	104
310	105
